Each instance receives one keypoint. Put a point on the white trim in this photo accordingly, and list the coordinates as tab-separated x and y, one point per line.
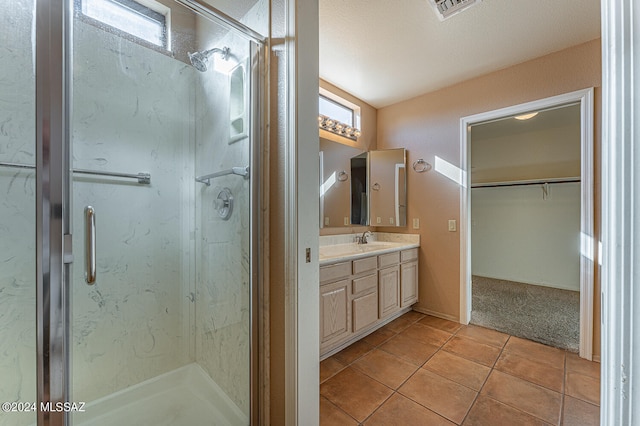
620	213
587	263
397	191
302	277
585	97
290	217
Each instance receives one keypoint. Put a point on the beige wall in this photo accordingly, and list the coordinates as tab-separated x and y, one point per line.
429	126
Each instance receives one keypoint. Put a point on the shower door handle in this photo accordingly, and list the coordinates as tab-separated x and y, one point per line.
90	245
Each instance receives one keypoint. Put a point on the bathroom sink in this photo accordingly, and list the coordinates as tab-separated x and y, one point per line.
354	250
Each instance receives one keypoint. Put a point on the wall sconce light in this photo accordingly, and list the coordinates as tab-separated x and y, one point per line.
341	129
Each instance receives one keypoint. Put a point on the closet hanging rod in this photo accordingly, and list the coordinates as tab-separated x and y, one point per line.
525	182
142	178
240	171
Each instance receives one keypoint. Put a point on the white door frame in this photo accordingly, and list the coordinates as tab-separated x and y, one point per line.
587	244
620	403
302	198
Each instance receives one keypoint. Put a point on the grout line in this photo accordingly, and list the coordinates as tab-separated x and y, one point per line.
441	348
486	379
564	389
340	409
396	391
393	391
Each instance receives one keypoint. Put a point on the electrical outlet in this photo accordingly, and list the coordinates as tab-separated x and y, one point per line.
326	221
391	220
346	221
416	223
452	225
378	219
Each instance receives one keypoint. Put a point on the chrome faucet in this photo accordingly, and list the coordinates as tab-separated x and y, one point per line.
363	238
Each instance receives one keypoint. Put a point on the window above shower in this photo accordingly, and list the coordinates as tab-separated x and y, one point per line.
142	21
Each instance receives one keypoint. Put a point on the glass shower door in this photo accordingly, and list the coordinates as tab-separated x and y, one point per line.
17	215
162	217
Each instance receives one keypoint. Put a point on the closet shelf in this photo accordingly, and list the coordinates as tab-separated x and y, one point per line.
568	179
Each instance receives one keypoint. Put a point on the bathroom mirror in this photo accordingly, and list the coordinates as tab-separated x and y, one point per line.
387	187
359	186
362	188
335	183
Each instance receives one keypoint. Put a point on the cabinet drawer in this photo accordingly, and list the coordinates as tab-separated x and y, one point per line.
365	283
388	259
407	255
334	272
363	265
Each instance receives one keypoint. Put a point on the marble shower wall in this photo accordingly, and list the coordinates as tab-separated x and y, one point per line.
223	246
133	112
17	211
173	277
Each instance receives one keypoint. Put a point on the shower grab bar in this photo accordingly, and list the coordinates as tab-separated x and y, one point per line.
90	245
241	171
143	178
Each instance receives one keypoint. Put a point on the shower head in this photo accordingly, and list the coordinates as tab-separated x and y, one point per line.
200	60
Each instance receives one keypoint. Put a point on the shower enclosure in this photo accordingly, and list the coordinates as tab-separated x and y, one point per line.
129	148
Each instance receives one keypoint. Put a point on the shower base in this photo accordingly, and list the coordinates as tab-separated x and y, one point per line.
186	396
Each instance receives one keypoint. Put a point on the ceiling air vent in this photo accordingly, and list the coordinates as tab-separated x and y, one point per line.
447	8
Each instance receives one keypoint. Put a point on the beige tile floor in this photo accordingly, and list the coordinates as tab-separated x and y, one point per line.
422	370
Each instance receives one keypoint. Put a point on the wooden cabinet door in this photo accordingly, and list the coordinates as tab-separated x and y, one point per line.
335	315
389	290
408	283
365	311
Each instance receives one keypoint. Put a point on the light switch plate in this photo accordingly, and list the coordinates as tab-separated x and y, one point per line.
452	225
346	221
416	223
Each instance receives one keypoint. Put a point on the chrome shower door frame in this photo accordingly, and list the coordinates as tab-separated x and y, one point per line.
257	133
54	255
53	201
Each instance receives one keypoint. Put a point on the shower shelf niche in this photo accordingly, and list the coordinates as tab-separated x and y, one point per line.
237	104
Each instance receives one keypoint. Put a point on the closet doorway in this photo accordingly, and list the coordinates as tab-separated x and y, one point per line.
527	251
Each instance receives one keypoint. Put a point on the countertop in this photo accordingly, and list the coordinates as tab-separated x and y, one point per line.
342	248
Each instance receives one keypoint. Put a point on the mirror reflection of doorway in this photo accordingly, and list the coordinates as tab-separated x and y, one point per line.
525	225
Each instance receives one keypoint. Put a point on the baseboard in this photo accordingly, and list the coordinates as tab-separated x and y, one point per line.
596	358
437	314
362	334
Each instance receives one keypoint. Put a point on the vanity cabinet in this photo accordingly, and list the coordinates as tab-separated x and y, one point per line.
358	296
335	311
408	277
389	285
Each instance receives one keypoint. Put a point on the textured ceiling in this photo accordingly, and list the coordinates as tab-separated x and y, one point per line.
385	51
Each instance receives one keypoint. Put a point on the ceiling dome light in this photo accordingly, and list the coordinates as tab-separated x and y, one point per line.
526	116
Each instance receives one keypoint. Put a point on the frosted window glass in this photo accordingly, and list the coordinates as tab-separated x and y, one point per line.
129	16
335	110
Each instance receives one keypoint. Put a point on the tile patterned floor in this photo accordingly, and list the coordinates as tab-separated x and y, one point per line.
422	370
